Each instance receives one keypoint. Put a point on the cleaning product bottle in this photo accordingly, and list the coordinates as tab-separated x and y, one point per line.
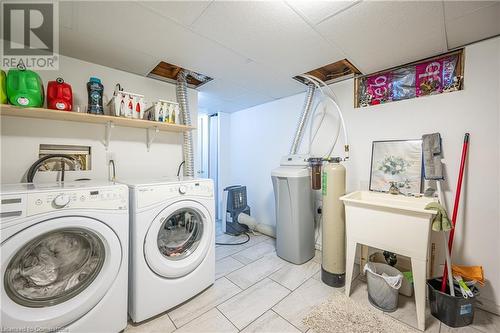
129	106
118	102
3	89
177	114
59	95
137	112
158	111
141	105
171	113
95	91
164	109
24	87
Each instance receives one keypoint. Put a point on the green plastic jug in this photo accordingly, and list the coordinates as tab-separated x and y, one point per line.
24	88
3	91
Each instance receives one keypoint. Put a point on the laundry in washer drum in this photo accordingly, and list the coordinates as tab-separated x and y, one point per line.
54	267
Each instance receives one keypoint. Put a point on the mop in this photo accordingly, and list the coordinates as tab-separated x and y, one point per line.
433	170
471	273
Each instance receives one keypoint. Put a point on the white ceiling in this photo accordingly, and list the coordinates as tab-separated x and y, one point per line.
253	49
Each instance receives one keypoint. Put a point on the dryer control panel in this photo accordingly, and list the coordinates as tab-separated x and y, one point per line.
106	198
152	194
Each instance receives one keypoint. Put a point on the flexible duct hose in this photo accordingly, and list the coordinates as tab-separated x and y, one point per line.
299	133
182	99
34	167
333	99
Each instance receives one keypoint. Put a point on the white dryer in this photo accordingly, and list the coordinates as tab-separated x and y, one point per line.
172	237
64	257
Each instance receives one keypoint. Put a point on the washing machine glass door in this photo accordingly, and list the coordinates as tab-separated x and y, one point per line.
54	267
178	239
56	271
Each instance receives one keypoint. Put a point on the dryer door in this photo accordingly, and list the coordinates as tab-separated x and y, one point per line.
57	270
178	239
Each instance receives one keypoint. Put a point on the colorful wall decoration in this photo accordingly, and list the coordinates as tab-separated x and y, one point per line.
428	77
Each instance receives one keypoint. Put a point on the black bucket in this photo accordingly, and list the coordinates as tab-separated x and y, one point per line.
453	311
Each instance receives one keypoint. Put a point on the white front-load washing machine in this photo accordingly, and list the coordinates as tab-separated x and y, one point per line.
64	255
172	239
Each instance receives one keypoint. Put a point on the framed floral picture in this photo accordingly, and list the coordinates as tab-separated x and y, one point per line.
398	163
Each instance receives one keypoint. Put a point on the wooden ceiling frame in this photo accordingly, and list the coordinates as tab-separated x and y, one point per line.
168	72
334	72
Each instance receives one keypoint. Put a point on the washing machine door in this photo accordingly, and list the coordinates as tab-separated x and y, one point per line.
178	239
57	270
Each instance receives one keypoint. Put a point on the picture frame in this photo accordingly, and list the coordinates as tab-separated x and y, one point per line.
396	162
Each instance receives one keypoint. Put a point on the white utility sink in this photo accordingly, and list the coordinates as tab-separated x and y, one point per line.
394	223
385	200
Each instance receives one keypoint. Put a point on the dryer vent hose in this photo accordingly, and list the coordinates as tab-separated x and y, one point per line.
182	99
256	226
306	110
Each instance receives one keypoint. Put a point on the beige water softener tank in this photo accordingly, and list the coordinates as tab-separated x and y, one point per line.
333	225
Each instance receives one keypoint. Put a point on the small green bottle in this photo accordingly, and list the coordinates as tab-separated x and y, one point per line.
24	88
3	89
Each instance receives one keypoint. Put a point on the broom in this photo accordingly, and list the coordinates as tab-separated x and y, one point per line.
465	148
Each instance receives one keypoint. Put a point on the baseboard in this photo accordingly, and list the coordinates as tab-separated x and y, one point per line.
487	305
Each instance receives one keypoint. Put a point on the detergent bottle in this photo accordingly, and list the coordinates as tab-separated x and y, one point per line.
59	95
95	91
24	88
3	89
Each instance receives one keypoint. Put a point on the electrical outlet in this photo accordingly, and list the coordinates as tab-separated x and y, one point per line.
318	205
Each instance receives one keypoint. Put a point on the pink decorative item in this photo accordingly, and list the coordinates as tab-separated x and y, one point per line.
378	86
429	78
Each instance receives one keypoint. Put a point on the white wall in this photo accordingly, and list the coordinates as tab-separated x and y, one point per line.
20	138
262	134
224	156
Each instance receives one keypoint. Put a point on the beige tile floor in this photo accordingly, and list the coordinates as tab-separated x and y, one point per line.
256	291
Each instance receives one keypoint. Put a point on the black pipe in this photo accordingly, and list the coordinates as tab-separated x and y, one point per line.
34	167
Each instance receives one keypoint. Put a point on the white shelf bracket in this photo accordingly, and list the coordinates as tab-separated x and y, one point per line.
150	136
107	134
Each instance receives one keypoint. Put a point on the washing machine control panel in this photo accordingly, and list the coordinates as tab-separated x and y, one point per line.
105	198
152	194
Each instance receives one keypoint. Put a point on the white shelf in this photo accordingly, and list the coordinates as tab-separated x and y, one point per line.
109	121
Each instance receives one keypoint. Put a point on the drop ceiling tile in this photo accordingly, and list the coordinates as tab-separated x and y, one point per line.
251	98
66	14
100	51
136	28
139	37
264	79
242	105
317	11
212	103
223	88
267	32
474	26
183	12
209	102
378	35
456	9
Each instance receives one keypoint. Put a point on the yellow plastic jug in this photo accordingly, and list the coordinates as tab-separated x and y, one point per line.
3	89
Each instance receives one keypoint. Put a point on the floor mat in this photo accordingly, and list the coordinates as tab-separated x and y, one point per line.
342	314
